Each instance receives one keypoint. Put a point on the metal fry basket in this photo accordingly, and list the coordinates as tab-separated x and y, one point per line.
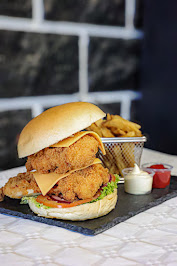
121	153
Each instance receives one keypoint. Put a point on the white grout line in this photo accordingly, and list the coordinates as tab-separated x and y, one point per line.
130	13
113	96
36	109
125	108
83	66
68	28
38	103
37	11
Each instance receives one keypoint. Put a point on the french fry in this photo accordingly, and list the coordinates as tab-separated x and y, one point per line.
106	132
138	133
129	134
134	124
108	117
95	128
118	132
115	126
99	123
121	123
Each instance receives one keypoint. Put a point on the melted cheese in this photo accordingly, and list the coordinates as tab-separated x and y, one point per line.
47	181
71	140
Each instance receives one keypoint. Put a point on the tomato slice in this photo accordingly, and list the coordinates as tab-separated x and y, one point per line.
47	201
113	178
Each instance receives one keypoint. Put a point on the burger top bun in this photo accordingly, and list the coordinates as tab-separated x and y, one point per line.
79	213
56	124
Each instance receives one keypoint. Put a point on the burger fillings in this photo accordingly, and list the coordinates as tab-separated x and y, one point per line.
65	166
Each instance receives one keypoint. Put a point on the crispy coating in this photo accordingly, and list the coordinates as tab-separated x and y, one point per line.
82	184
62	160
21	185
1	194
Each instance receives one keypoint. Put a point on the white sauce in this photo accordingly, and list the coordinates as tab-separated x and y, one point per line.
138	182
30	191
19	194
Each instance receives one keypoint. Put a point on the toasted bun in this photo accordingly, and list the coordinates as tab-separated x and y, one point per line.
56	124
79	213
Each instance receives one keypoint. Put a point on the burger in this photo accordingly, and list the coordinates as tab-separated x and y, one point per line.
64	178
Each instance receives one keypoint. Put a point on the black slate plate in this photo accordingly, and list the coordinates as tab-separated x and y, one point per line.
127	206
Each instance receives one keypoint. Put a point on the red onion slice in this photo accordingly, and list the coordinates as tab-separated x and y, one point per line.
60	200
110	178
105	185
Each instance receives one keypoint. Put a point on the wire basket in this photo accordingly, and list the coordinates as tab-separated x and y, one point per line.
121	153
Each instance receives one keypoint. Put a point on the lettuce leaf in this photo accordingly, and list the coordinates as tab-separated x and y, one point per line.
25	200
108	189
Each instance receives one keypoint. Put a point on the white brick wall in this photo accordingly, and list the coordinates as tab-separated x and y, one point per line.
84	32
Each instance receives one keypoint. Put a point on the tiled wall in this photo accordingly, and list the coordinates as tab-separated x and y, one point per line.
65	51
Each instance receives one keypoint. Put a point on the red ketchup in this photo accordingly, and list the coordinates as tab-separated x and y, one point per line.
161	179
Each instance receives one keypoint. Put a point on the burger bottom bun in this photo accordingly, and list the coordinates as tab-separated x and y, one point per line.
79	213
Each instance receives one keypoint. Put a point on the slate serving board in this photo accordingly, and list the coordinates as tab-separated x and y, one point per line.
127	206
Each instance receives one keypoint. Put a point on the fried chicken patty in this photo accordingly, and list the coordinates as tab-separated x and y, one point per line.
21	185
1	194
62	160
82	184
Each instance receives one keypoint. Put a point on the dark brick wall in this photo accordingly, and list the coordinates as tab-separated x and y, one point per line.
11	124
86	11
114	64
42	64
37	64
16	8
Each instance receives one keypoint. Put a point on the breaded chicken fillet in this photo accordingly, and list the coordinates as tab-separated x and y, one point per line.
82	184
1	194
21	185
62	160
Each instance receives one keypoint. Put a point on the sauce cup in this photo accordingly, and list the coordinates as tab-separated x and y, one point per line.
137	183
161	177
